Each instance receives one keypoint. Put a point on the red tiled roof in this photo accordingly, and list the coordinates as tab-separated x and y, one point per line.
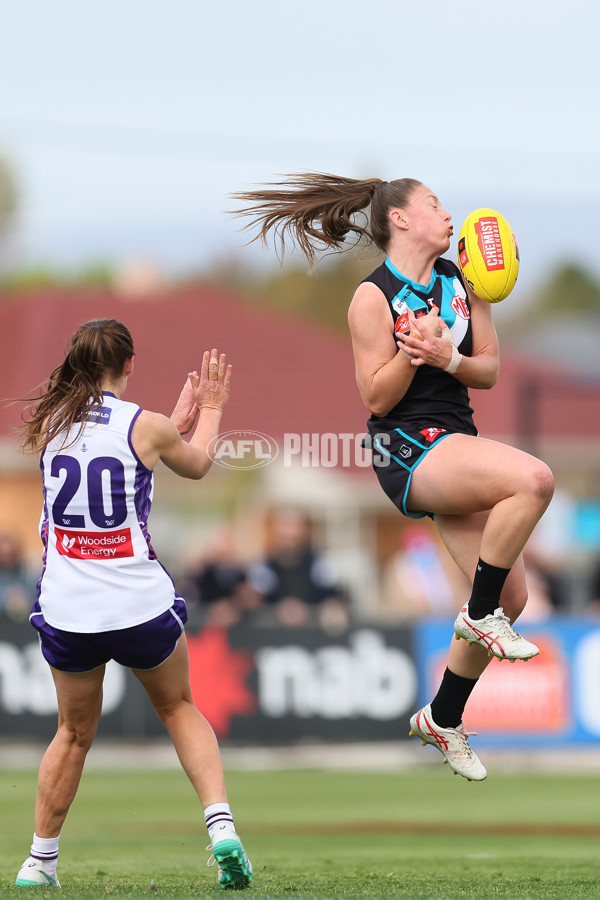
537	398
289	375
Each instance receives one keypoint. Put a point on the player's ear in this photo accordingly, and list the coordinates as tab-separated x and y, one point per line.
398	219
129	364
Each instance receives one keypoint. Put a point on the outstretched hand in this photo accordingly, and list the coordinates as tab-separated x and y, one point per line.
207	389
211	387
186	412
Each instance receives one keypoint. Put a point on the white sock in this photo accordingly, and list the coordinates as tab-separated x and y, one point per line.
45	850
218	814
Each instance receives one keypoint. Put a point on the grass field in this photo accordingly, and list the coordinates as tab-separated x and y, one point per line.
317	834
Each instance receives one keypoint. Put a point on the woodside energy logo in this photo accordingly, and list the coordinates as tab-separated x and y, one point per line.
94	544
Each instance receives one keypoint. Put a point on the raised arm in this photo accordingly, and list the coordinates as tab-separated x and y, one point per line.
157	437
383	375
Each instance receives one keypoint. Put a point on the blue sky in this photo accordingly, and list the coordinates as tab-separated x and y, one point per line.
129	123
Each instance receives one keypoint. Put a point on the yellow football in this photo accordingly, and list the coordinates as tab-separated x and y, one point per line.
488	255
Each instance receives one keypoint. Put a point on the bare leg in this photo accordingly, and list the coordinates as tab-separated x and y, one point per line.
462	537
79	706
488	498
168	688
464	475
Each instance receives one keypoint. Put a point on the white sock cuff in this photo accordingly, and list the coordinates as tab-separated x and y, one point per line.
217	812
44	848
217	808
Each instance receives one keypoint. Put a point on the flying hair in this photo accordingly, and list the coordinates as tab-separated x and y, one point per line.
316	211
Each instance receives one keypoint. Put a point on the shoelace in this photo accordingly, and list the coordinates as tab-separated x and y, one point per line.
211	859
465	735
503	621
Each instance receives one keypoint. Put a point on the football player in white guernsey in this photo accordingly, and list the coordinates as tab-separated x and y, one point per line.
103	594
421	338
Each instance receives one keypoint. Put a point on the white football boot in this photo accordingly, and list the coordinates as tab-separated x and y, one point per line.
33	874
453	744
495	633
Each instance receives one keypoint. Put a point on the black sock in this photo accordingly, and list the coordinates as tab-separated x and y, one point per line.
449	703
487	587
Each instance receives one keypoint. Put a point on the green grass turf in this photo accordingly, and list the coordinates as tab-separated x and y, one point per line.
426	835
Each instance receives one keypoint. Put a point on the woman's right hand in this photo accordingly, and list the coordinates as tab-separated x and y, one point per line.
428	341
211	387
431	322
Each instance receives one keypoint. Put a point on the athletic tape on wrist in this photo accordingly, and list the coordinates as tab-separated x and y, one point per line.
454	361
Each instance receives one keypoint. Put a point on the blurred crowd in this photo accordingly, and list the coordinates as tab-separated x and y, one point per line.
17	578
293	582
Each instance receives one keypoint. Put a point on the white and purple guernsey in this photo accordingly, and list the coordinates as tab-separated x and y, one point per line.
100	571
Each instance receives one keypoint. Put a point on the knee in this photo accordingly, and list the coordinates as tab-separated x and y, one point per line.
541	485
514	604
78	737
166	710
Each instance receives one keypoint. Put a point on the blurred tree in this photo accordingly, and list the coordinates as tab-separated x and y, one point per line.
322	295
563	312
34	277
570	294
570	291
99	276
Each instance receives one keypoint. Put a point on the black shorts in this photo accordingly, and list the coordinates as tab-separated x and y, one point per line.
396	454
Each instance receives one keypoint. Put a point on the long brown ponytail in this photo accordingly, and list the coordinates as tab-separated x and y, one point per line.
316	211
99	348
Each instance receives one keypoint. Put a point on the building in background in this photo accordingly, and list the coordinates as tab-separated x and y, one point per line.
292	430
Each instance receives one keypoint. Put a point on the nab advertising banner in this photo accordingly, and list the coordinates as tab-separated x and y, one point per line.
256	685
278	686
551	700
283	685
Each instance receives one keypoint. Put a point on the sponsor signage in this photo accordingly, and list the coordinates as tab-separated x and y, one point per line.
276	685
402	325
489	242
551	700
282	685
430	434
253	684
27	696
459	306
98	414
94	544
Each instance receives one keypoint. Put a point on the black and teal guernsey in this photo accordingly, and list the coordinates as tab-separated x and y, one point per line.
434	399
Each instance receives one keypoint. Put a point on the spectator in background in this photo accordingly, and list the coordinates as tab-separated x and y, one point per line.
295	580
17	584
217	584
416	581
543	591
594	589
